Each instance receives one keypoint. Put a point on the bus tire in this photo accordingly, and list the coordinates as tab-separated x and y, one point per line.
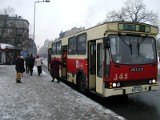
82	84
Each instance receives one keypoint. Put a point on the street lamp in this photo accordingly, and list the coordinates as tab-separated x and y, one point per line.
35	20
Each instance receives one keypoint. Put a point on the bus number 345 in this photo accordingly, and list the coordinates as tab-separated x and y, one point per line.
121	76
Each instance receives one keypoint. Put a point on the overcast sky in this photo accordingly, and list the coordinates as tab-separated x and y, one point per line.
61	15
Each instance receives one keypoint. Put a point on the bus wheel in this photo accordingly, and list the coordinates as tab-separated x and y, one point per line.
82	84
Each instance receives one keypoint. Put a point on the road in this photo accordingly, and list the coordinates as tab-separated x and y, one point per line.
143	106
140	106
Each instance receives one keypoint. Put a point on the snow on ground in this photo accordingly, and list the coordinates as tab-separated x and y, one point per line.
36	98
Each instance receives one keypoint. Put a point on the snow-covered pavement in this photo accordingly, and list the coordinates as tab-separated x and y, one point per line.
36	98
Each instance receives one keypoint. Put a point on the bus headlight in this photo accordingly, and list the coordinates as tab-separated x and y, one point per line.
114	85
118	84
152	81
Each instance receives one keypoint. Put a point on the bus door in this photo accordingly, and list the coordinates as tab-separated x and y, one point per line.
99	66
64	60
49	59
92	65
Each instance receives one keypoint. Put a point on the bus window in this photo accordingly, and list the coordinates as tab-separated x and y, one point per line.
53	49
93	60
81	44
133	49
58	46
72	45
107	63
99	60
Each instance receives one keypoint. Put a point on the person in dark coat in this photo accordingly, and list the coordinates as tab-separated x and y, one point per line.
26	63
18	69
31	64
22	69
55	69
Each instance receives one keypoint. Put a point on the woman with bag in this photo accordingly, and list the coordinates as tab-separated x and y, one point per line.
38	63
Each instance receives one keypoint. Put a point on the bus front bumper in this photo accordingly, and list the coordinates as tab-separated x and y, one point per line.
129	90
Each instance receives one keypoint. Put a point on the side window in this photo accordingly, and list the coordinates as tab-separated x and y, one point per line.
72	42
93	59
99	60
58	46
81	44
107	63
53	48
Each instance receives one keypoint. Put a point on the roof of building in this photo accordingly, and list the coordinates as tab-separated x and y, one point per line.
3	46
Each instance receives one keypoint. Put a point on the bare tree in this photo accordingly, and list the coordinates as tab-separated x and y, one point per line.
8	11
134	10
4	14
13	32
18	36
3	24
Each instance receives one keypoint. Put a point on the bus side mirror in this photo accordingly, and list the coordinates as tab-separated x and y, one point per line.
106	43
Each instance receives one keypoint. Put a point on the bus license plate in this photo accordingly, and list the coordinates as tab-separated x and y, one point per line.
137	89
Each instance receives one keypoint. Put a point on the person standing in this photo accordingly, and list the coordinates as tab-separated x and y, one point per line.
38	63
31	64
26	63
55	69
22	69
18	69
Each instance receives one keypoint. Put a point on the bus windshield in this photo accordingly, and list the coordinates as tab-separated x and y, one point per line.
132	49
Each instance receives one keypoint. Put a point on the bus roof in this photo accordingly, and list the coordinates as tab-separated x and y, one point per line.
101	30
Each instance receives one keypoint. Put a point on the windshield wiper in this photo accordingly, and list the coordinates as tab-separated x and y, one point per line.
138	44
130	46
124	40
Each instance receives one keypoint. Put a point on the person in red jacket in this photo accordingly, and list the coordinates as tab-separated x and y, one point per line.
55	69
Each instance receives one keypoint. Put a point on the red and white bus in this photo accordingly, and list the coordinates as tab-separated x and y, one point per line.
114	58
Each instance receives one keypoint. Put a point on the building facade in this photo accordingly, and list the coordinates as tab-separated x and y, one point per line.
14	31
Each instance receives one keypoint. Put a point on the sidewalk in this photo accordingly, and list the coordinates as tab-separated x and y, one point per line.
37	98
